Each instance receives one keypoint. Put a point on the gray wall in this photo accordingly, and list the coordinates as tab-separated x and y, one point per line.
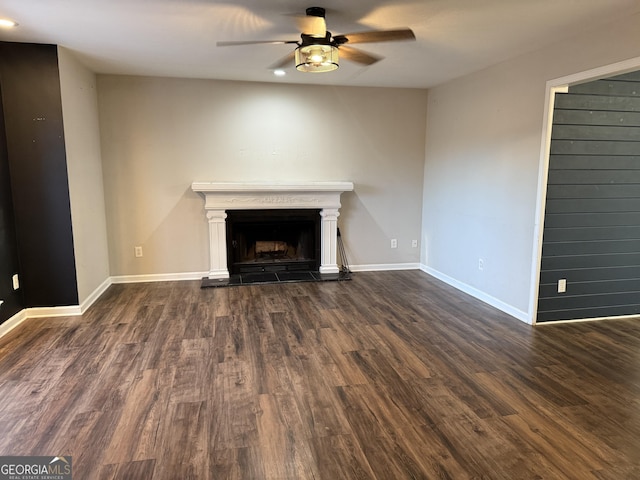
84	166
483	161
592	217
159	135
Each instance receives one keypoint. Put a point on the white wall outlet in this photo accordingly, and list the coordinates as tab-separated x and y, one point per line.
394	243
414	243
562	285
480	264
16	282
138	251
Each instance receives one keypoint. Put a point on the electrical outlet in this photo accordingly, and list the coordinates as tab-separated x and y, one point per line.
16	282
414	243
394	243
480	264
138	251
562	285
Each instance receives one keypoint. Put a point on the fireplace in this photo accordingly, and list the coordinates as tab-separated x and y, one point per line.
273	240
222	200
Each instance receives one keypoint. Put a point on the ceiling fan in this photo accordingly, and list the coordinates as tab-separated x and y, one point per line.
319	51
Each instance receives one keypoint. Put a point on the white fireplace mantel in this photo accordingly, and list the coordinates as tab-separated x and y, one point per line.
220	197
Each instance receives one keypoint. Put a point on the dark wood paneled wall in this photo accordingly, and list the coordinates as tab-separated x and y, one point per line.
36	155
13	301
592	217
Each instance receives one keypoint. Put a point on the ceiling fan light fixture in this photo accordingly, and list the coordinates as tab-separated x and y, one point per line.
316	58
7	23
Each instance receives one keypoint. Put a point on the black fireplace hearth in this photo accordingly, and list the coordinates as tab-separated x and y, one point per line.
236	280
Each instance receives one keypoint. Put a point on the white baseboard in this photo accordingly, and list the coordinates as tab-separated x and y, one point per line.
171	277
384	267
72	310
40	312
159	277
12	322
594	319
37	312
480	295
90	300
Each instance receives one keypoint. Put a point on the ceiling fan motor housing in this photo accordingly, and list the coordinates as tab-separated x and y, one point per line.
316	12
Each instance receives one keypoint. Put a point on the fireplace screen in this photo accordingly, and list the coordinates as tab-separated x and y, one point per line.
273	240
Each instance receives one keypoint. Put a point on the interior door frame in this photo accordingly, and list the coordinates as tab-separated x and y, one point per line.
559	85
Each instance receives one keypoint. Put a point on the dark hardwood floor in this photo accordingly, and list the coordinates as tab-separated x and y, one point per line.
389	376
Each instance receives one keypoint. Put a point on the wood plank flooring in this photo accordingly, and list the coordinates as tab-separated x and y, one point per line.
392	375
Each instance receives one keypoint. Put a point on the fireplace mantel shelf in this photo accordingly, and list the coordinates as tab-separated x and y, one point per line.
206	187
222	196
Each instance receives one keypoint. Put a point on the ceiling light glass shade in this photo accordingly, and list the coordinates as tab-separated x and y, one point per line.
316	58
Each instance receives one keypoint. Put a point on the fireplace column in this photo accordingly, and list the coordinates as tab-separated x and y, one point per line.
217	244
329	244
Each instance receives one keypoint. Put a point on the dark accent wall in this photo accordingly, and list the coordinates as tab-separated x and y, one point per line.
13	302
30	84
592	217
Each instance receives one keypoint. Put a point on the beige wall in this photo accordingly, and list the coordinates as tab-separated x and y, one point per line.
482	159
158	135
84	165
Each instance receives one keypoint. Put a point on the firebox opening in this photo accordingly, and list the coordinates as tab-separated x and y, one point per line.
273	240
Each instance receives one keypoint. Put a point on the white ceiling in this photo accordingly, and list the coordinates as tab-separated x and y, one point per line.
178	37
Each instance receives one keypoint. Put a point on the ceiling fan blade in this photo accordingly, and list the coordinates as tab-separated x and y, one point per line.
284	62
379	36
255	42
313	26
358	56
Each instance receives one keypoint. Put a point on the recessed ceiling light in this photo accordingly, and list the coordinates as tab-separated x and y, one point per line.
6	23
279	73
